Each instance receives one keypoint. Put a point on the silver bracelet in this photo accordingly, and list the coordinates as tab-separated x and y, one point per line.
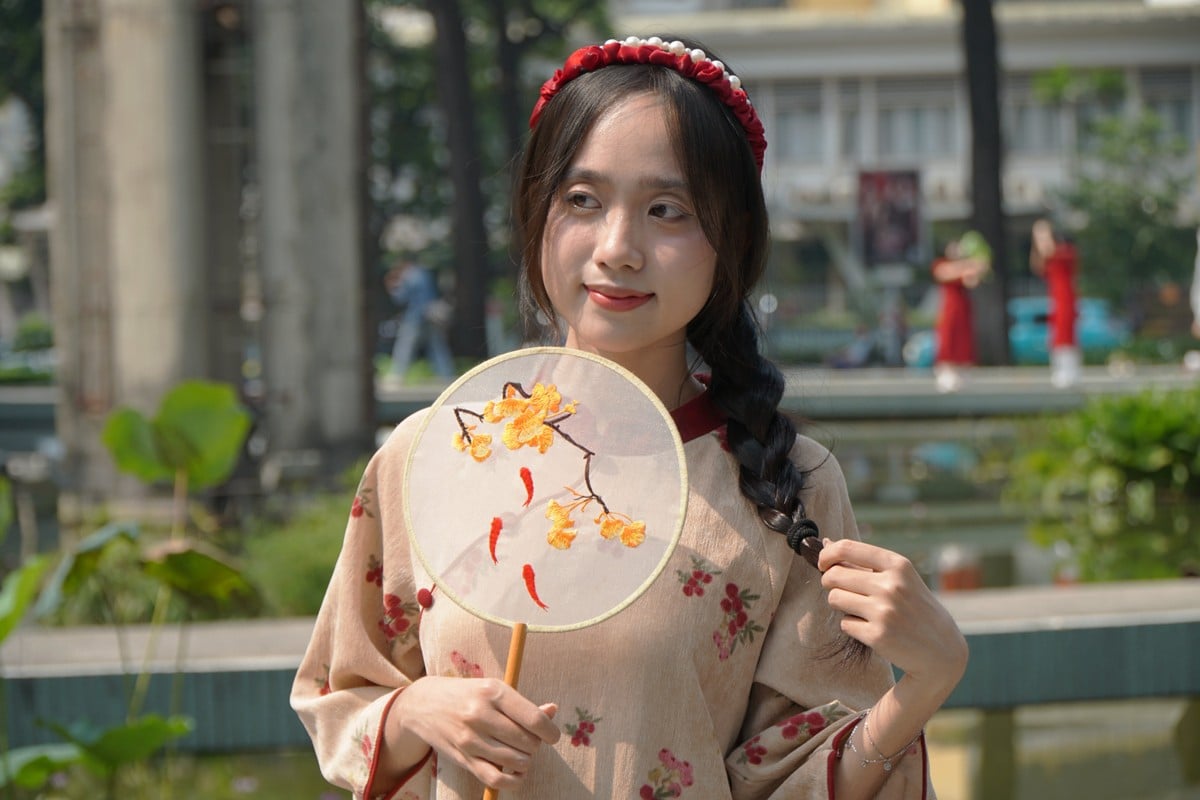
887	761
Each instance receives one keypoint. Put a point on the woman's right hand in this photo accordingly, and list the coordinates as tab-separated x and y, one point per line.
481	724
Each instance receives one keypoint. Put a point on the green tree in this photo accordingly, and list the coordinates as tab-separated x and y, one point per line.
21	77
445	123
1125	191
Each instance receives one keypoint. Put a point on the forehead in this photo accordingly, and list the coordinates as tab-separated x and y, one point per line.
634	135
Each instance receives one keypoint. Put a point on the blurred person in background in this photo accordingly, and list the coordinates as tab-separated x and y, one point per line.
957	272
424	317
1053	258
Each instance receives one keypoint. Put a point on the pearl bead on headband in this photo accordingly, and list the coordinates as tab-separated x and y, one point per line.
693	64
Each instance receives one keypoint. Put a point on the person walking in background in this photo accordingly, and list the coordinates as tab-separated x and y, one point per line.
1053	258
957	273
423	321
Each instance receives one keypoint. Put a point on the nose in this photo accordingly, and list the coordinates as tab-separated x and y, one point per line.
618	241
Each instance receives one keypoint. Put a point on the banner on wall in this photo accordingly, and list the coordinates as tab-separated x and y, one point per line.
889	217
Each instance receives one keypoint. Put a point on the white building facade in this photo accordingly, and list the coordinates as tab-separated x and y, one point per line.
865	85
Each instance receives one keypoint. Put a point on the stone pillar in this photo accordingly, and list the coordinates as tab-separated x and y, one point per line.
153	132
128	299
142	296
81	289
309	168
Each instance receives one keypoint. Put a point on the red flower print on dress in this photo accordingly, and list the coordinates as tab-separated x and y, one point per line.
667	780
809	722
700	575
374	570
736	626
752	752
464	667
582	730
397	622
362	503
323	682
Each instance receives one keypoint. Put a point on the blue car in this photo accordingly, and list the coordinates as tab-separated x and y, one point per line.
1029	336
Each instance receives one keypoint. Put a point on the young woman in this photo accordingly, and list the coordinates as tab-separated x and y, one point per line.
640	214
957	274
1053	257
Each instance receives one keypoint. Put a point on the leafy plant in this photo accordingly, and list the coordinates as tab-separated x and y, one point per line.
1118	483
33	333
192	442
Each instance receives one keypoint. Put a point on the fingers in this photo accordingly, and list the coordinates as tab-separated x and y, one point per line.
483	725
853	553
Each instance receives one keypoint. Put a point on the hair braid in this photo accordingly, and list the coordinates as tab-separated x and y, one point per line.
748	388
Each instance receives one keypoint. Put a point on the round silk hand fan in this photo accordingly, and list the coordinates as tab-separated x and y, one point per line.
545	490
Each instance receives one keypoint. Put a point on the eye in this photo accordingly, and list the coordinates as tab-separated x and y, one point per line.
667	211
577	199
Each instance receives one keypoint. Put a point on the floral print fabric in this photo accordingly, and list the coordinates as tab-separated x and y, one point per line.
710	686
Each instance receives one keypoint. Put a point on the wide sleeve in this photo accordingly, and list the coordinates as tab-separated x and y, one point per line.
364	648
807	695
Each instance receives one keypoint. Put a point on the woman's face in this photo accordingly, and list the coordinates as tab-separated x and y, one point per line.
624	260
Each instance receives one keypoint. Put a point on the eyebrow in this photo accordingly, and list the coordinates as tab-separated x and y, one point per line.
592	176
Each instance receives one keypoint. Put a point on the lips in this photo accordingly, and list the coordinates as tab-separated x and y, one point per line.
613	298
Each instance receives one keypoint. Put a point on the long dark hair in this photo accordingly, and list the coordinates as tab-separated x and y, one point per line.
723	181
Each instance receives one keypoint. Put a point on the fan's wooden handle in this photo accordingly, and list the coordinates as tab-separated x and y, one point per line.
512	673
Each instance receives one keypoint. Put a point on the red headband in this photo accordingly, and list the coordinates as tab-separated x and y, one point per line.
693	64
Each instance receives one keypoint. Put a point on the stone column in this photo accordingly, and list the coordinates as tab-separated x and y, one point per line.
309	168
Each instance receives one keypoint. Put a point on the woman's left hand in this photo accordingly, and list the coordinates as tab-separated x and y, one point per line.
888	607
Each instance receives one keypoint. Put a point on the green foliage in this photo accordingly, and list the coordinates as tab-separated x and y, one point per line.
407	129
1066	86
1127	190
1131	206
34	332
18	593
101	581
106	750
81	563
195	439
21	47
307	541
199	430
1118	482
211	585
32	767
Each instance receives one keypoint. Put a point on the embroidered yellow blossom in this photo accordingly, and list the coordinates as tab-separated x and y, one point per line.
562	527
631	534
527	427
480	445
528	430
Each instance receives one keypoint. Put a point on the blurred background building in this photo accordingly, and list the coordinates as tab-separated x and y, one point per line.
219	187
877	87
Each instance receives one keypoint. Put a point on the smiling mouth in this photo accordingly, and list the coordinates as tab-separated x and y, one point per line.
617	299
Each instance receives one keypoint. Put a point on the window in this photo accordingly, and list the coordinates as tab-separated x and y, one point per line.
916	117
798	122
1032	127
1167	93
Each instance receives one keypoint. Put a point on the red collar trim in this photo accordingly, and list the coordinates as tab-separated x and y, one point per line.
698	416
